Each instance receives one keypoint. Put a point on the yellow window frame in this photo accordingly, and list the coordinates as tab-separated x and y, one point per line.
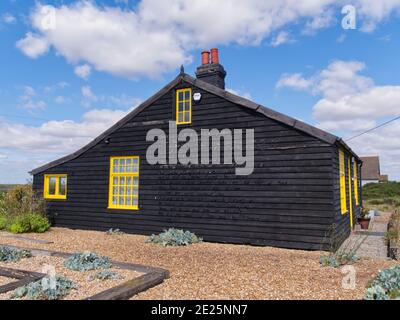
355	173
132	185
57	195
342	172
184	101
350	194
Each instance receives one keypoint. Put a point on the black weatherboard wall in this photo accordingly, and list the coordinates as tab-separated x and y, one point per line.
291	199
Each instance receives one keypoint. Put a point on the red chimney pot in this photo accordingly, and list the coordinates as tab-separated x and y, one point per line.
214	55
205	57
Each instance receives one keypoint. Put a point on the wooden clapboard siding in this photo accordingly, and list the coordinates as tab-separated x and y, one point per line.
291	199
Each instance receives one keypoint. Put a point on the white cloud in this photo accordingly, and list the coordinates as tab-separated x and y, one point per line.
88	94
33	45
57	136
57	86
352	103
29	101
295	81
281	38
373	12
83	71
373	103
60	100
158	36
8	18
321	21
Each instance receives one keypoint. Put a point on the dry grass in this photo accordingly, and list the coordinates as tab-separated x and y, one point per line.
218	271
86	286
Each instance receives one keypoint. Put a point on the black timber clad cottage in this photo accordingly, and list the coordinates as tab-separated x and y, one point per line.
305	180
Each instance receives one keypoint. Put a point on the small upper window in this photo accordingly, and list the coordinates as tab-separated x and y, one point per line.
184	106
55	186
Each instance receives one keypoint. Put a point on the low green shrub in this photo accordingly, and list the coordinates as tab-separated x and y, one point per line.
36	290
29	223
87	261
13	255
386	285
393	233
3	222
106	275
174	238
21	211
329	261
22	200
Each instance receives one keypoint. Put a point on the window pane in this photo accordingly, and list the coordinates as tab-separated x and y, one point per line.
136	192
122	181
180	107
128	162
135	201
115	200
187	95
63	186
187	117
136	160
187	106
135	169
121	190
128	201
115	169
180	96
115	181
115	190
121	201
136	180
52	186
122	162
180	117
122	169
128	181
129	169
115	162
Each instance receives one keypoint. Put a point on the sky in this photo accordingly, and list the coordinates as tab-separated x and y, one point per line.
71	69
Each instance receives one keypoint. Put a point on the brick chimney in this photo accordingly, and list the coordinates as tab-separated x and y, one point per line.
211	71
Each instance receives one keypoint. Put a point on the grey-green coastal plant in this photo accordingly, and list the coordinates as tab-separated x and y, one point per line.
85	261
174	238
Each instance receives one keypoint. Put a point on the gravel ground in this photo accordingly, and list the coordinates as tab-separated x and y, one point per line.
218	271
86	287
4	281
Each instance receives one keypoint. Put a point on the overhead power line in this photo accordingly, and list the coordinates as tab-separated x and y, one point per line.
372	129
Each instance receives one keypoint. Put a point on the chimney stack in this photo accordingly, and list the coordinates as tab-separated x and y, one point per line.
212	72
205	57
214	56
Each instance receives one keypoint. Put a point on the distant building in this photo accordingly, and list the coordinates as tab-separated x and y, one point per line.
371	171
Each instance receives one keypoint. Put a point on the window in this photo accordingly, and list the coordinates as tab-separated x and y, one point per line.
343	198
184	106
55	186
124	183
355	173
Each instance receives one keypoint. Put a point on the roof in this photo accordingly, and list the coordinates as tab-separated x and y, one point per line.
371	168
182	77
